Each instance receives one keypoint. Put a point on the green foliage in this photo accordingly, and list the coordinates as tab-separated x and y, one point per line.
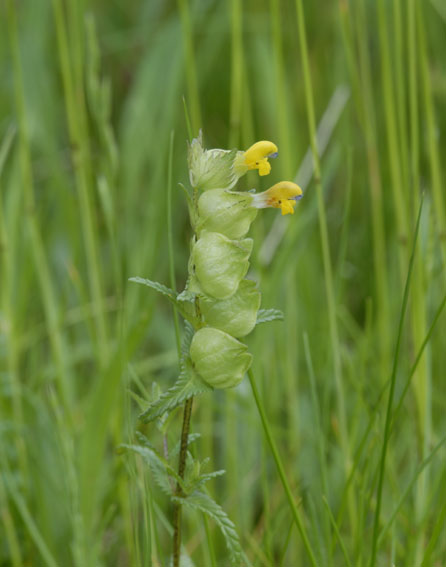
189	384
91	93
163	472
183	301
203	503
167	479
191	438
160	288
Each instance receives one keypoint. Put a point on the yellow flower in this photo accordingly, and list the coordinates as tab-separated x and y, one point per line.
256	157
283	196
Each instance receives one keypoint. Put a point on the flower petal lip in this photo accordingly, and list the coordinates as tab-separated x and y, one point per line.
256	156
282	195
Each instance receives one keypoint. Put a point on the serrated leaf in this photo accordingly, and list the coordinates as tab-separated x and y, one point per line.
185	343
182	306
204	478
144	440
267	315
189	384
142	402
187	295
162	472
160	288
164	480
204	503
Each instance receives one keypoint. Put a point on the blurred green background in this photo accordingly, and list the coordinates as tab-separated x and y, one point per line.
91	93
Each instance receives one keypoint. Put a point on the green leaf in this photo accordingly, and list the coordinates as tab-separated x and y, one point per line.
185	343
162	472
181	301
142	402
202	502
267	315
189	384
144	441
160	288
187	295
204	478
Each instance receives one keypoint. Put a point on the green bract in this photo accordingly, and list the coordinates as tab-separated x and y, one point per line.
220	263
219	359
226	212
236	315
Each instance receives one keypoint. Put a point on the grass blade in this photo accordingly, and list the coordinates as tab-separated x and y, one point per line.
388	420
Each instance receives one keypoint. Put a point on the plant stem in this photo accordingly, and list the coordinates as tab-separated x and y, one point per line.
179	490
281	470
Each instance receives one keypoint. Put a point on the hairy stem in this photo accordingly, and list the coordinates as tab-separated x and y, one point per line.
179	490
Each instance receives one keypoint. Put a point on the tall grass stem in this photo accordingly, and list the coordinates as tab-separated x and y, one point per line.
387	424
281	470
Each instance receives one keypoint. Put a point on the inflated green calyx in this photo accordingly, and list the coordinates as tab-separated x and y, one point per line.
219	263
219	359
211	169
236	315
227	212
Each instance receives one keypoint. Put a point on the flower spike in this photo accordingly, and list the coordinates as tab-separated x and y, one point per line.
283	196
256	157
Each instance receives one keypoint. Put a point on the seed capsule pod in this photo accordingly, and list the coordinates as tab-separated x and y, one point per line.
219	264
219	359
226	212
237	315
